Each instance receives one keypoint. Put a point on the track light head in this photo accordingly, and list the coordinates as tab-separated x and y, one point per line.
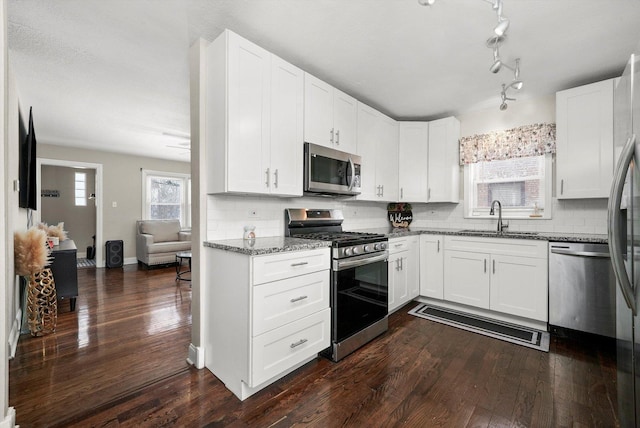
503	106
496	66
516	84
502	26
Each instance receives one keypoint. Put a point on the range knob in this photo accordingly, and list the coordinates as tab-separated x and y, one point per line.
383	246
367	248
347	251
356	250
376	247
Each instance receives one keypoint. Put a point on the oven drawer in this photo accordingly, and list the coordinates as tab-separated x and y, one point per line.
281	302
278	350
274	267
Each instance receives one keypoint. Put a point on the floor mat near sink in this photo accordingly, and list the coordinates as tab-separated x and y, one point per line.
531	338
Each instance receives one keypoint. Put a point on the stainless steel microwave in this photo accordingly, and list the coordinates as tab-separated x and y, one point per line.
330	172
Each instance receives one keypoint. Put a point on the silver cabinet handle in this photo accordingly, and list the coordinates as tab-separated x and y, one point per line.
438	246
615	223
267	173
401	193
338	137
494	266
299	264
331	135
485	265
429	193
298	343
297	299
401	263
275	178
382	190
562	186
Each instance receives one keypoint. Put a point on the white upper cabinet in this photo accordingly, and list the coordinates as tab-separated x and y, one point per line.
254	119
444	161
378	147
584	132
413	154
329	115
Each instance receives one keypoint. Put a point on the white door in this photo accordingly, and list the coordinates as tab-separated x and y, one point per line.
287	103
413	150
345	113
519	286
466	278
432	266
318	111
248	116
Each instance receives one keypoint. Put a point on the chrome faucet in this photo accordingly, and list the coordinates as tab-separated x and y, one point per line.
501	226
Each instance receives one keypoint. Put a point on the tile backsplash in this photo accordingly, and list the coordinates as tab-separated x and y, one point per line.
227	215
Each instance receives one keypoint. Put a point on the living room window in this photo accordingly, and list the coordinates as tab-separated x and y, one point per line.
80	189
166	196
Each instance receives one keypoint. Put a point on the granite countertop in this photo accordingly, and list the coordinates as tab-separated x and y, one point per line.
267	245
541	236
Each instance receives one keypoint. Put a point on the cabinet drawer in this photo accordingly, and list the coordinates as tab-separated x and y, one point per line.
281	302
402	244
285	265
280	349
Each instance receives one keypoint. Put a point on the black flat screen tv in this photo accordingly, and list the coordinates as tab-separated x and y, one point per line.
27	164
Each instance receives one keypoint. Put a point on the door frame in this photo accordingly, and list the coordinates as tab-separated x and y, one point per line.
76	164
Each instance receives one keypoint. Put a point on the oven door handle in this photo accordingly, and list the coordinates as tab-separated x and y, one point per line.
339	265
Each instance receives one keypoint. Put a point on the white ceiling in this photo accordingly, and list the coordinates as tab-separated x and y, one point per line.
114	74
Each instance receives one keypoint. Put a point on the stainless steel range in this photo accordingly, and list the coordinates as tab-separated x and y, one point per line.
359	277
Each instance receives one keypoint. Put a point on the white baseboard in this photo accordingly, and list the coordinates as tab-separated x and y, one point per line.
10	420
14	334
130	261
196	356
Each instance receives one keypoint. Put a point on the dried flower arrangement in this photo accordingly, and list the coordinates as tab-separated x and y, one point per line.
31	252
52	231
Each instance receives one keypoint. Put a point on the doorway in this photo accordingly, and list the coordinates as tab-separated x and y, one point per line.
94	175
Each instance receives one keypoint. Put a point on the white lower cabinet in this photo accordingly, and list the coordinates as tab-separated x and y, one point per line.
502	275
403	271
432	266
267	315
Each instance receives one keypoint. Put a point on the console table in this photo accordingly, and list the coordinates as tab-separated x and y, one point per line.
64	267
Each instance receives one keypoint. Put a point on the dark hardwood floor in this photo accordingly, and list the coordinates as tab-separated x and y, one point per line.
132	327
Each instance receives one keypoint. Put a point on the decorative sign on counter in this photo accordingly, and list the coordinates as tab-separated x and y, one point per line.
399	214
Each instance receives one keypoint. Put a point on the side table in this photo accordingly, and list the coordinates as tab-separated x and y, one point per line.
180	256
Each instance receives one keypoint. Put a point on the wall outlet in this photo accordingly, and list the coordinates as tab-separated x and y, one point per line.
252	214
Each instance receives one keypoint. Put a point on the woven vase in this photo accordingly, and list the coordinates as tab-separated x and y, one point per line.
42	303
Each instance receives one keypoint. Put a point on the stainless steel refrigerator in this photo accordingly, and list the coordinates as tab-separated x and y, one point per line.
624	239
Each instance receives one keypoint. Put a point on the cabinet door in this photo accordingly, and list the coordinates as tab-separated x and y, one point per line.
387	160
466	278
368	136
432	266
345	112
249	70
584	128
318	111
412	265
287	103
444	170
519	286
398	284
413	150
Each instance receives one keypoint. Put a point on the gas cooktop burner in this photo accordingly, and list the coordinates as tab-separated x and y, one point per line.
340	237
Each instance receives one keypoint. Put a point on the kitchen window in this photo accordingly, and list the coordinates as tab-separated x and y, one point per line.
166	196
522	185
513	166
80	189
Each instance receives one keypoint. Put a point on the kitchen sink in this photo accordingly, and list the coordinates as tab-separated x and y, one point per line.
496	233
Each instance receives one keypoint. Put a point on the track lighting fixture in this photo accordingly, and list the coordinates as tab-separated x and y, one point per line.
494	43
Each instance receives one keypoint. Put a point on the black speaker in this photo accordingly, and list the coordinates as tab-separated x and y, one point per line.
115	251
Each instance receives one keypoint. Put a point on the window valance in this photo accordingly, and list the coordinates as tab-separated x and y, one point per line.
524	141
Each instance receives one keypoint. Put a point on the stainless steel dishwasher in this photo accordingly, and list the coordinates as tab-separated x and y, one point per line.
582	288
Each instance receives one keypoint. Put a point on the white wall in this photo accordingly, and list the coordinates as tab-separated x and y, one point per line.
227	215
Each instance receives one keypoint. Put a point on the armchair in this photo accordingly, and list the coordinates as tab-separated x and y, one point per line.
158	241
